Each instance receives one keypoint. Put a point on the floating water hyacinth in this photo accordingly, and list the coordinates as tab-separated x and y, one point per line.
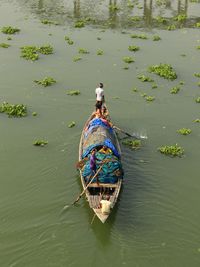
72	124
4	45
184	131
40	143
173	150
133	48
73	92
47	81
9	30
175	90
144	78
128	59
133	144
13	110
163	70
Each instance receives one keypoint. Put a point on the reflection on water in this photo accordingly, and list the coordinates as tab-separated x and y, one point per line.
119	13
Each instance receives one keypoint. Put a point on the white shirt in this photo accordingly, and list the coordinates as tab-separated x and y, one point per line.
105	206
99	94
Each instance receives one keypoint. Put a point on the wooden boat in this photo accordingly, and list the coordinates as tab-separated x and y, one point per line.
93	137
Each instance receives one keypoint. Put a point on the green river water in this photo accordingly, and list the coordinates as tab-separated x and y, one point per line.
156	221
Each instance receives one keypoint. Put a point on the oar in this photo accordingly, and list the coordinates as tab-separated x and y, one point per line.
128	134
117	128
87	185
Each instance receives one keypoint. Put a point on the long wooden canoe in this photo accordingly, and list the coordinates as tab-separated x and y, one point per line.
94	138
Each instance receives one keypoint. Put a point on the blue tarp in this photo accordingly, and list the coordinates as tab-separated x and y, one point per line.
107	142
96	123
107	173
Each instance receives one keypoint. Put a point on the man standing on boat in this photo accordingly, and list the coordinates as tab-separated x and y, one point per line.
100	99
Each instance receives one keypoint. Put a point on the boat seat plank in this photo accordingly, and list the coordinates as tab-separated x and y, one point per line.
103	185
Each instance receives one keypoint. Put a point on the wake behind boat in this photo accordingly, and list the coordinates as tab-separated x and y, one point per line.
101	187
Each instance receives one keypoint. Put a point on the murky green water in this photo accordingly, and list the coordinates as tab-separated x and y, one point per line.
157	220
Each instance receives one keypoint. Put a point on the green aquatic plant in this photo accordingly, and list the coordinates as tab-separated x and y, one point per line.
45	49
139	36
197	74
29	52
72	124
173	150
197	120
130	4
198	47
154	86
40	143
49	22
99	52
150	98
9	30
134	19
175	90
13	110
9	38
163	70
79	24
156	38
180	17
160	19
69	41
4	45
171	27
128	60
181	82
77	58
126	67
133	144
135	89
161	2
197	24
197	99
73	92
34	113
184	131
83	51
114	8
133	48
144	78
99	38
47	81
143	95
198	83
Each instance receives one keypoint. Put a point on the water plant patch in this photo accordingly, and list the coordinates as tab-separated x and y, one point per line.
4	45
144	78
184	131
29	52
47	81
163	70
197	120
9	30
99	52
69	41
128	59
71	124
133	48
172	150
133	144
73	92
150	98
77	58
13	110
139	36
156	38
79	24
40	143
49	22
83	51
45	49
197	74
197	99
175	90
